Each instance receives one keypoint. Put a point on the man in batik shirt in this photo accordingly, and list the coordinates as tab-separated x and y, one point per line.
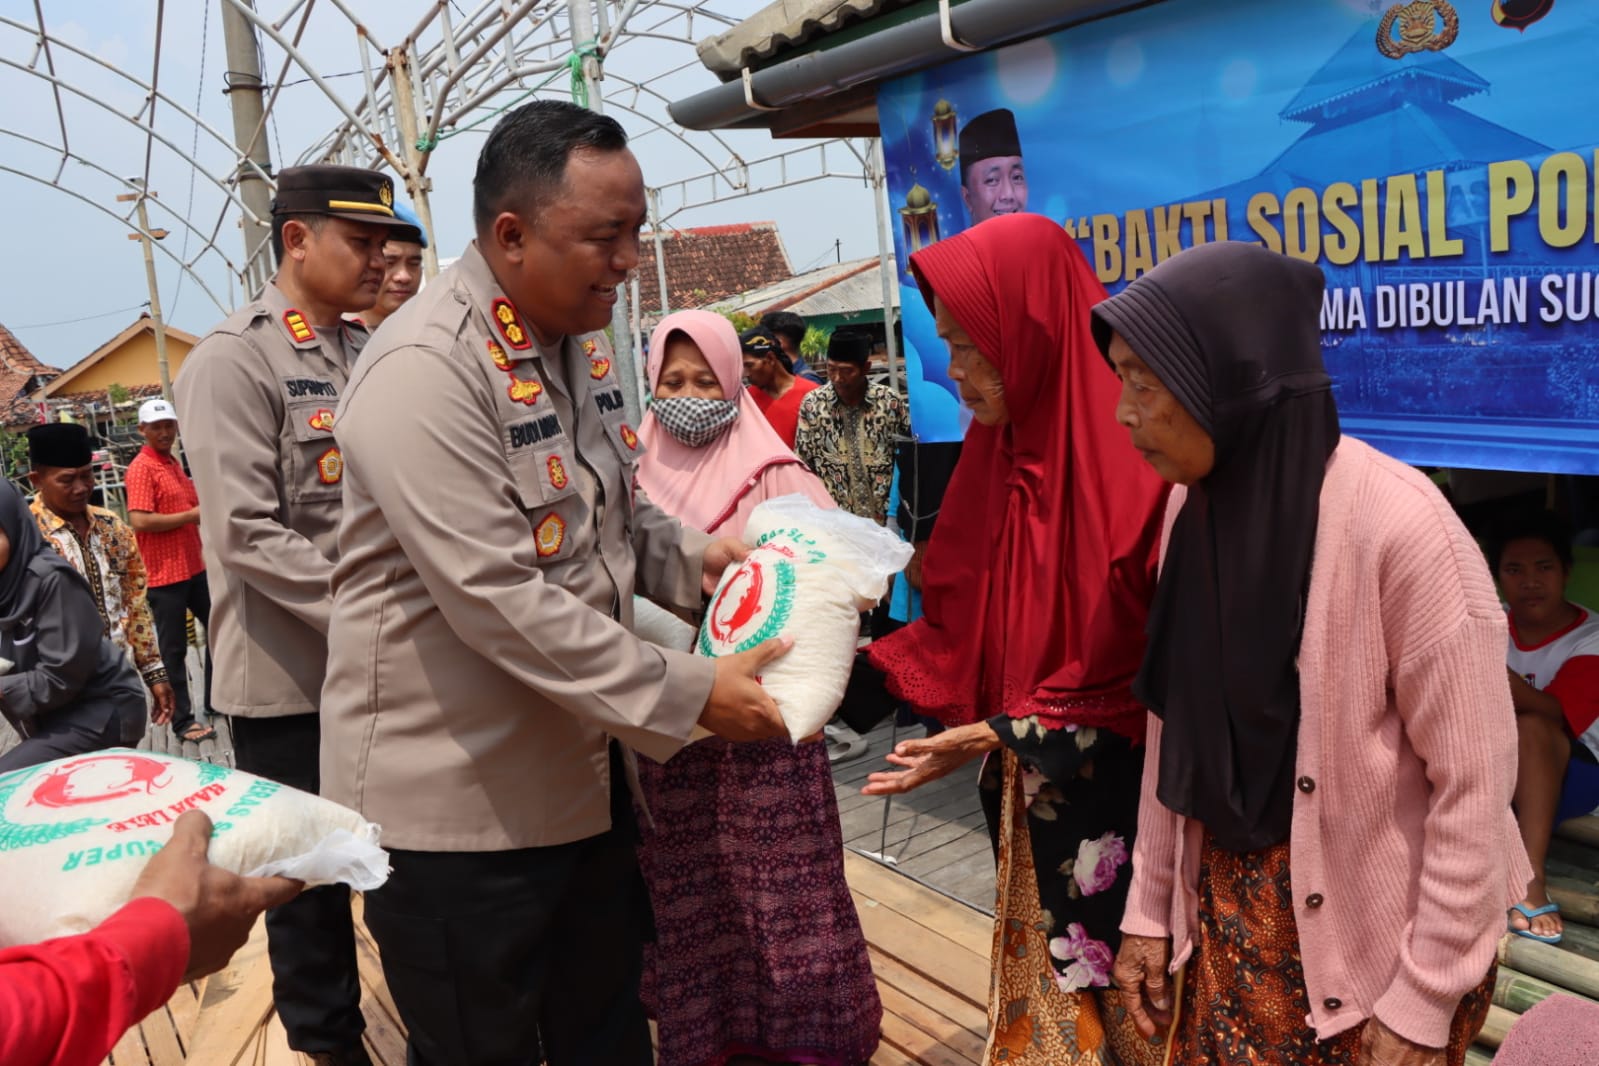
848	429
99	545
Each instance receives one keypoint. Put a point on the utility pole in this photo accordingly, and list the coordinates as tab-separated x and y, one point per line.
144	236
417	184
244	91
584	45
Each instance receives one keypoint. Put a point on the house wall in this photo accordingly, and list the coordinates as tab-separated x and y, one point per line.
131	365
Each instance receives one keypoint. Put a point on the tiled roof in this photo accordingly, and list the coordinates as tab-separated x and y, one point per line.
707	264
18	369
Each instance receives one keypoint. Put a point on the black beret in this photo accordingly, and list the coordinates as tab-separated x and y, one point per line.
59	444
344	192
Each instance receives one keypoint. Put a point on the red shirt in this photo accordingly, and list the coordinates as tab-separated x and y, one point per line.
783	413
66	1002
156	483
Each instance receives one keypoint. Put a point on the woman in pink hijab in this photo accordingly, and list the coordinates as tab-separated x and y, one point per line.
759	951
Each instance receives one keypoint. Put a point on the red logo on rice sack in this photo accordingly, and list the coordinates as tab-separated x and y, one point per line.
751	606
100	779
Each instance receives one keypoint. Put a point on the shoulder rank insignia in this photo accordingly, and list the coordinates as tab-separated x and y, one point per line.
557	471
299	329
497	354
598	368
510	325
330	467
549	535
323	420
629	438
590	346
527	392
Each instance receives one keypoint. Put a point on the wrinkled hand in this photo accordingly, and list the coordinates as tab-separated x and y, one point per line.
932	758
719	555
219	907
738	707
1141	976
164	705
1381	1046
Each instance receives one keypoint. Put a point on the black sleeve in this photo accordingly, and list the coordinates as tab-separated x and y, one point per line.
66	647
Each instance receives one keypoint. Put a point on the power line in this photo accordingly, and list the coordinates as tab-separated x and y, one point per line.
85	318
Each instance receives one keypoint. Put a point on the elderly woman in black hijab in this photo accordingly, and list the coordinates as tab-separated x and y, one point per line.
66	688
1325	846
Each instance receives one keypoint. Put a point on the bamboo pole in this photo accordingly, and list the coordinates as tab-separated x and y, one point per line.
1497	1027
1579	901
1519	992
1476	1056
1584	830
1565	969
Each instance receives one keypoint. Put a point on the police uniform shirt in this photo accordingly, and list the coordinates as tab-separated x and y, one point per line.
258	394
480	656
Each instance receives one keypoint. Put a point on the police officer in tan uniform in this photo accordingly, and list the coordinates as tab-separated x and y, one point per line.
481	669
257	396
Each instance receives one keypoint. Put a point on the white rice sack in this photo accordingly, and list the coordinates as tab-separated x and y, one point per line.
664	629
76	833
810	575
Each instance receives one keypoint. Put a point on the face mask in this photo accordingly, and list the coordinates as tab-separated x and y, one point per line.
693	420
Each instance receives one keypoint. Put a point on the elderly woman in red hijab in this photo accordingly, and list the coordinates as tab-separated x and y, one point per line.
1036	588
759	951
1325	844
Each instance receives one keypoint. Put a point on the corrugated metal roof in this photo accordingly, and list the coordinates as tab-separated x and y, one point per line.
851	288
781	26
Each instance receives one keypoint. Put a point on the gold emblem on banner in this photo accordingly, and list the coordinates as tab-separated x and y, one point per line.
1420	26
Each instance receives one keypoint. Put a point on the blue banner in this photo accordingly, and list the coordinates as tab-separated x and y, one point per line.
1438	160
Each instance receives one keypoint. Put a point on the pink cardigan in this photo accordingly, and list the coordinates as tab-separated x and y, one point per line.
1402	832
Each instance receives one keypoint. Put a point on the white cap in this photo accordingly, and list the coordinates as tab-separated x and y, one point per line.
157	410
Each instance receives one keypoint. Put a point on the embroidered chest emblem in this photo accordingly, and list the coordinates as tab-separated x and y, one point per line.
527	392
330	467
549	535
298	328
510	324
322	420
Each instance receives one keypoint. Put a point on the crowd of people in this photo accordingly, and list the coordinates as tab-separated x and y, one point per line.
1238	682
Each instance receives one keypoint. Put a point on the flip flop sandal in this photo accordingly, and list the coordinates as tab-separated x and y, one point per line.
1530	913
195	734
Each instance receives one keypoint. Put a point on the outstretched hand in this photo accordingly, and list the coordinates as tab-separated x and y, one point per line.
219	907
930	759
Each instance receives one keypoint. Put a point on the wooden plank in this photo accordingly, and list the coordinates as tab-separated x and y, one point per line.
957	1038
275	1045
927	838
954	921
129	1050
973	845
973	1017
917	1046
185	1009
942	961
161	1038
235	1005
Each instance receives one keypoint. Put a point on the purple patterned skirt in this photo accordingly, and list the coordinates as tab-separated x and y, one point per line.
759	950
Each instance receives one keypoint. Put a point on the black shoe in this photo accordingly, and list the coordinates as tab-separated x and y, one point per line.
355	1055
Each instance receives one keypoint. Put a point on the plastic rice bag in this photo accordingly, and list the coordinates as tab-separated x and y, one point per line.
75	834
810	575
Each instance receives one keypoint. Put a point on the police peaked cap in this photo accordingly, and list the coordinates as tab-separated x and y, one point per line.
343	192
993	133
59	444
849	346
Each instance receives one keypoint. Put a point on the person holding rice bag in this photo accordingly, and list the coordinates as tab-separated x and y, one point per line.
1035	593
66	688
758	947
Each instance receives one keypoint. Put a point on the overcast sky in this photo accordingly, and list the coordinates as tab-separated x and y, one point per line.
72	264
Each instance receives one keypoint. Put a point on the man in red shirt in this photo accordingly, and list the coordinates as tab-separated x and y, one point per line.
777	391
164	511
